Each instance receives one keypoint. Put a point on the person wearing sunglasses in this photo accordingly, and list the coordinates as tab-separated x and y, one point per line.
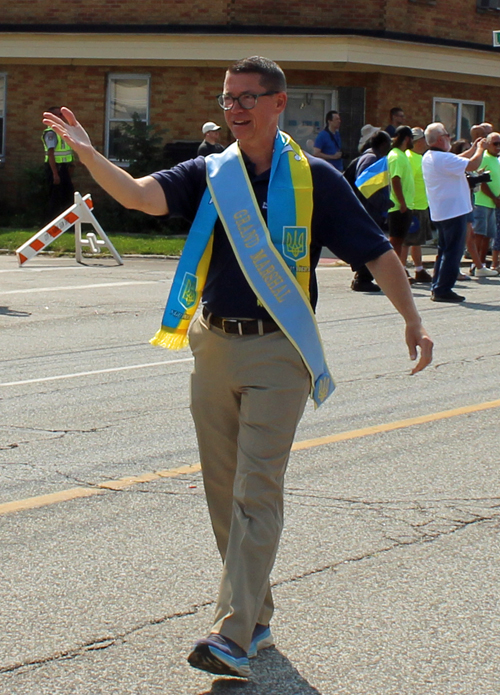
260	212
449	204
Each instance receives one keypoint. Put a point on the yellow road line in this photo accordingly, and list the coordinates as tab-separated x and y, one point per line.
45	500
147	477
398	425
122	483
75	493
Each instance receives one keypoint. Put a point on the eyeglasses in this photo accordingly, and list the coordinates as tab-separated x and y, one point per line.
246	101
496	144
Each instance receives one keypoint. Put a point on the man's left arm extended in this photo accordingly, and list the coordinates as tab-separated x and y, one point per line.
389	273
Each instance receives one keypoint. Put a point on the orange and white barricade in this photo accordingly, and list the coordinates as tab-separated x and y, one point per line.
80	212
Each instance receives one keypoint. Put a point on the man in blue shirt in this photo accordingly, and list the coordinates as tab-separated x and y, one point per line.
328	145
250	385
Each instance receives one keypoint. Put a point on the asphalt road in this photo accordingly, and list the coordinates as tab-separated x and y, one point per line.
386	581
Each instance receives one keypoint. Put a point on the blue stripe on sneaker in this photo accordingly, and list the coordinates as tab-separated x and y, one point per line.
238	665
261	639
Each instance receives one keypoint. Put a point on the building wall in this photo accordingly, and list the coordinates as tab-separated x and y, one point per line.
456	19
415	95
183	98
115	12
368	14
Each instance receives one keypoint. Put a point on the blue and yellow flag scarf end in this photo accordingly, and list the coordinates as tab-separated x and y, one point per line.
170	338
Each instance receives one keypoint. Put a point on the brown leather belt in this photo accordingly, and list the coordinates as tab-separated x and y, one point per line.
241	326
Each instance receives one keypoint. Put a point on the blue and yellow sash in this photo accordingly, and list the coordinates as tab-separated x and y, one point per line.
274	260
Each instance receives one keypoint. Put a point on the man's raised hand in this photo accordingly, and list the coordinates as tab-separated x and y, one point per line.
71	131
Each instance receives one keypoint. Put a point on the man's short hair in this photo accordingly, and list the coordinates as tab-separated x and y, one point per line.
433	132
272	77
394	111
402	132
329	116
381	138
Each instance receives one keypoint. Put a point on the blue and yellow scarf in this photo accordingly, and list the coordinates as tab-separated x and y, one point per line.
274	257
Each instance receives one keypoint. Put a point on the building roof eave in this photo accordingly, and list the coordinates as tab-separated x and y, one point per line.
236	30
312	52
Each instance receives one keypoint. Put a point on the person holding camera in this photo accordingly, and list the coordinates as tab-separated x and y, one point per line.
449	203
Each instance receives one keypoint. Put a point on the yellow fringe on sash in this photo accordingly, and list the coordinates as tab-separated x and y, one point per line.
170	338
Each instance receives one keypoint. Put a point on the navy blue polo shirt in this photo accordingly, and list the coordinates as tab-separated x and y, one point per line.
339	222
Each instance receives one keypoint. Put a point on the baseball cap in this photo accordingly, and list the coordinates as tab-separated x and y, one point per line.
417	133
209	126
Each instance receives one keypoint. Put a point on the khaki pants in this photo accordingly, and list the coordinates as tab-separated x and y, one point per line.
248	394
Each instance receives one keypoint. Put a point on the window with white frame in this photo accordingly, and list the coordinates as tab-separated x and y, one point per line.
3	92
127	94
458	116
304	115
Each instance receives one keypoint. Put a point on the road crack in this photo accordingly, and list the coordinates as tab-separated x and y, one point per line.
98	643
108	641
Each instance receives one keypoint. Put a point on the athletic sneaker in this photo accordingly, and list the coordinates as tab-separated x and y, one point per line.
261	639
220	655
485	272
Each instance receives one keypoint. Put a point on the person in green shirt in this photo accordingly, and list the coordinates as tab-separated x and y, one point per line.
421	220
402	188
487	199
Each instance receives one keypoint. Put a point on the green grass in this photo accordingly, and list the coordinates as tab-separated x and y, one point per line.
144	244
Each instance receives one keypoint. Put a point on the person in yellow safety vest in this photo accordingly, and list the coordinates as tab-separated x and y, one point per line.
58	169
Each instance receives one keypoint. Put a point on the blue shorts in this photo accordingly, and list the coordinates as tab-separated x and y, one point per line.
485	221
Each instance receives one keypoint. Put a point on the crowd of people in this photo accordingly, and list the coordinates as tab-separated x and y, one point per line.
427	199
429	186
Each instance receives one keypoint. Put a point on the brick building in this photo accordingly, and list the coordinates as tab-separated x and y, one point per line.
165	61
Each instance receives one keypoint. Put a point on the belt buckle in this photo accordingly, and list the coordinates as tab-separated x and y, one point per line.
232	322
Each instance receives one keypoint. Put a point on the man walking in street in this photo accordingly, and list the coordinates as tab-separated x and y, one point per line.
261	212
449	203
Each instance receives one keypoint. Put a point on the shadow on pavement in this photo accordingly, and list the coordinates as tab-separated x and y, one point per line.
481	307
5	311
271	673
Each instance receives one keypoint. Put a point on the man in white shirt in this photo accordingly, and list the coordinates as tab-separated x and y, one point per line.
449	203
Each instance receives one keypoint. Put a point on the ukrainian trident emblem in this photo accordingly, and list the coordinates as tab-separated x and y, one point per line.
324	387
187	294
294	242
